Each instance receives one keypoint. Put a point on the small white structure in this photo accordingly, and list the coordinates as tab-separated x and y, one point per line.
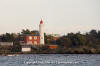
26	48
6	43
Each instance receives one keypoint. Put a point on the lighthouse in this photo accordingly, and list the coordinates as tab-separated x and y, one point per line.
41	29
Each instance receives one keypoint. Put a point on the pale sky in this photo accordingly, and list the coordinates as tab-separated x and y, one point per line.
59	16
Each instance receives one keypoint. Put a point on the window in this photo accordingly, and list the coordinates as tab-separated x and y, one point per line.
29	42
35	37
35	42
30	37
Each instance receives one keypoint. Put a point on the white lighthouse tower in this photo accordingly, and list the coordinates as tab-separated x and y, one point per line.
41	27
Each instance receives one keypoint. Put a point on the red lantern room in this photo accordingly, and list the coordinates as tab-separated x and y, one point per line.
41	22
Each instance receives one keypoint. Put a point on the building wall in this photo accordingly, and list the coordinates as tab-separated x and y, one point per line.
26	49
41	29
6	43
32	40
52	46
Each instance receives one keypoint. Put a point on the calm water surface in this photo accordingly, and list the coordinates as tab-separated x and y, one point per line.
51	60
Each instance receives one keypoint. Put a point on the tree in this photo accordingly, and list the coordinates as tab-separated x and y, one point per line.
8	37
93	33
27	31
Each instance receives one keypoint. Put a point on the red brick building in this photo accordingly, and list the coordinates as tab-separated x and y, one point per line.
32	39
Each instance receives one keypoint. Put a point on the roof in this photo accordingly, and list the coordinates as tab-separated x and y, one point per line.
31	35
41	22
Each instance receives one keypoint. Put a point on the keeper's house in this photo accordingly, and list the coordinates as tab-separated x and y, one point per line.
32	39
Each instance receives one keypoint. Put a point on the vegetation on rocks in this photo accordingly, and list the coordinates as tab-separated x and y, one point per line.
74	43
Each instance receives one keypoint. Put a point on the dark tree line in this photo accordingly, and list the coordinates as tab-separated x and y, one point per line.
13	37
70	43
80	43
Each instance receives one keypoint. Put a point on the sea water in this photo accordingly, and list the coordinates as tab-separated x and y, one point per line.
51	60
